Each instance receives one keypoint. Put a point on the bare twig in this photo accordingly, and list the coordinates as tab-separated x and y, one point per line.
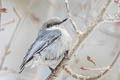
7	23
10	41
51	4
9	70
17	14
80	39
19	19
69	15
30	5
93	69
0	13
82	77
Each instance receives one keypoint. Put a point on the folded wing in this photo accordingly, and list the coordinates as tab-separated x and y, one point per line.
44	39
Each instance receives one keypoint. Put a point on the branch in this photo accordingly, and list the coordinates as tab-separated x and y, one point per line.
6	69
80	39
0	13
82	77
70	18
51	6
10	41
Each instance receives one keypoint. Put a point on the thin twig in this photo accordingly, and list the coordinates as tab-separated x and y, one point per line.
10	41
9	70
17	14
94	69
19	19
69	15
51	6
80	39
30	5
82	77
0	13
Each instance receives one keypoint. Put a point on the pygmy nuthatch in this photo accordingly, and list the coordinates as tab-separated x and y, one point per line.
50	46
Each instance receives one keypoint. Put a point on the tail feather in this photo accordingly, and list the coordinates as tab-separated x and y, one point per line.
21	70
22	67
24	63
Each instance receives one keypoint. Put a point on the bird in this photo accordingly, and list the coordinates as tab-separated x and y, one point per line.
50	46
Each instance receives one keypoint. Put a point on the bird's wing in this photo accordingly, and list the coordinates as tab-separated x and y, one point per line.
44	39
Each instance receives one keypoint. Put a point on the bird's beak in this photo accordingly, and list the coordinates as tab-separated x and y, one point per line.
63	20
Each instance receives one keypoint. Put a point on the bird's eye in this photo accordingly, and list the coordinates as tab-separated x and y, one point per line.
49	25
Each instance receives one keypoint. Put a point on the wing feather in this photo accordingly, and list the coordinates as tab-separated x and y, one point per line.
44	39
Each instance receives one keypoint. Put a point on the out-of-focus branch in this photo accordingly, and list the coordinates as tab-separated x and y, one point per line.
9	70
28	8
17	13
19	19
82	77
10	41
80	39
0	13
51	4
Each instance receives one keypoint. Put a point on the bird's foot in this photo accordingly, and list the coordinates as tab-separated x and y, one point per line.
66	55
51	69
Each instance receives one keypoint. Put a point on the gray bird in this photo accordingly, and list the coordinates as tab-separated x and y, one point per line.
50	46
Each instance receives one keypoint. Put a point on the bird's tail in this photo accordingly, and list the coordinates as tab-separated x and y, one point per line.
21	70
22	67
24	63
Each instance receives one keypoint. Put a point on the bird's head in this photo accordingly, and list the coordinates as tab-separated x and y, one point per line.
53	22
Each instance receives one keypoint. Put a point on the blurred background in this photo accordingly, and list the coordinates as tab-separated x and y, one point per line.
21	20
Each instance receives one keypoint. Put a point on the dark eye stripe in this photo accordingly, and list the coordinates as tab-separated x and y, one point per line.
49	25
